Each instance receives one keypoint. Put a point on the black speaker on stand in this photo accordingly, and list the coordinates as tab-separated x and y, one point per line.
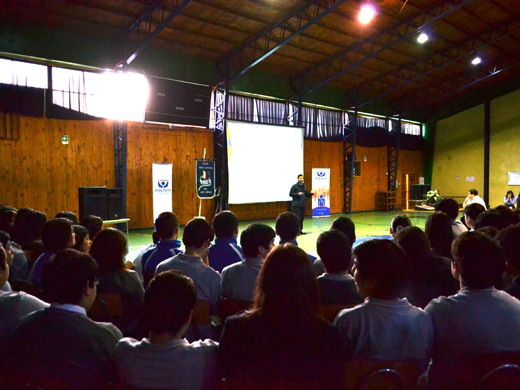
93	201
115	203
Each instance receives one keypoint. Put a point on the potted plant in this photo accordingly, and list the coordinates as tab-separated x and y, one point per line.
432	197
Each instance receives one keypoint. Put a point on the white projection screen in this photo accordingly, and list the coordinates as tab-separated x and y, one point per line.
263	161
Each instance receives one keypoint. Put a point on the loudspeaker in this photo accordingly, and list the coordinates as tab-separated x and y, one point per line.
418	191
115	203
93	201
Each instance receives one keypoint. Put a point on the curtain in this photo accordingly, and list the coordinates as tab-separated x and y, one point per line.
23	74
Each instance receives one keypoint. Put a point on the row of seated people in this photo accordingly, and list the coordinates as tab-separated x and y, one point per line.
250	334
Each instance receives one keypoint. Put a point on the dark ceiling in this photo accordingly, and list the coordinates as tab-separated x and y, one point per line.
321	43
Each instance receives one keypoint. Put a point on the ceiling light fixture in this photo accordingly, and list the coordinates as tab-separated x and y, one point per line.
422	38
476	61
366	14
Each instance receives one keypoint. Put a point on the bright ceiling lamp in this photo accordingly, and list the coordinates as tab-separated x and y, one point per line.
423	37
476	61
366	14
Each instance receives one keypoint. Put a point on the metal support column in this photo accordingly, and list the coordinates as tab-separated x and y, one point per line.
487	134
121	154
393	159
220	144
349	161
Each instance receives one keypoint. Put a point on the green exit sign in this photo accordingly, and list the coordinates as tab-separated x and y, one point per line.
65	140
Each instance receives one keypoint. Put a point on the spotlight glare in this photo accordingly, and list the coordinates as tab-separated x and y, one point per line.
422	38
476	61
367	14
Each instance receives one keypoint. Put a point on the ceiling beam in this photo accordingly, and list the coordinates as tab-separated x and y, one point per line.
358	53
254	51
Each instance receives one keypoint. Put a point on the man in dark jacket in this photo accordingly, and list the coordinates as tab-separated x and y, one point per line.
299	194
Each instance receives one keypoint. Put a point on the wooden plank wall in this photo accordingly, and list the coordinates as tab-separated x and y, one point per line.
39	172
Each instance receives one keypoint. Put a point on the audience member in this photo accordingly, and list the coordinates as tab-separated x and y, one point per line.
82	238
439	233
165	357
287	227
510	200
119	287
451	208
239	279
428	276
168	244
94	224
473	197
60	347
336	286
471	212
492	218
68	215
57	234
489	231
17	229
282	338
509	239
14	283
225	250
384	327
7	217
196	238
399	222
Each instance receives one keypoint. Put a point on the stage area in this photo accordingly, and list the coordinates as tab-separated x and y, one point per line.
368	224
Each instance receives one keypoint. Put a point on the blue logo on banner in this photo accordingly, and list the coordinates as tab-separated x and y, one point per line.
162	183
321	173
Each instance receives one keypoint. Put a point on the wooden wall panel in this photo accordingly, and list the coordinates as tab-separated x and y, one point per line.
37	171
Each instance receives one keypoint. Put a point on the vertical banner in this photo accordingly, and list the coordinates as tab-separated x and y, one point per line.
162	188
205	179
321	190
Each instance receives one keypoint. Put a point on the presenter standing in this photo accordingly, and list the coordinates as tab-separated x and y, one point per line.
299	194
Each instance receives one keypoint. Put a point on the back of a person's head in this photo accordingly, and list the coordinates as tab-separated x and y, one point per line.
473	210
3	260
414	242
345	225
225	224
33	226
489	231
68	215
439	233
5	238
287	226
81	233
170	298
94	224
287	284
399	222
449	206
506	216
509	239
382	262
479	259
109	249
197	232
254	236
166	225
57	234
334	249
66	276
491	218
18	224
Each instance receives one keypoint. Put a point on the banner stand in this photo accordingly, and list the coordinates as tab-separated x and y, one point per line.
321	191
204	180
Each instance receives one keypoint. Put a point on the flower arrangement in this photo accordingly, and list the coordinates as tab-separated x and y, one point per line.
432	197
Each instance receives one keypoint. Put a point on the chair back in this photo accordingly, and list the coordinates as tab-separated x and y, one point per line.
505	377
359	370
382	379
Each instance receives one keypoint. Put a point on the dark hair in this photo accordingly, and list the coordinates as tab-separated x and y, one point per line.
473	210
299	175
4	238
196	232
3	259
7	217
287	226
109	249
57	234
17	231
479	259
334	249
81	233
225	224
509	239
166	225
381	261
287	286
439	233
345	225
68	215
169	299
449	206
94	225
489	231
30	227
510	192
414	242
492	218
254	236
65	277
473	192
399	222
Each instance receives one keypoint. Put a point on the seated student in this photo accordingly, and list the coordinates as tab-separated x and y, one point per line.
239	279
492	218
399	222
13	283
30	235
510	200
473	197
82	239
428	276
60	344
336	286
94	224
57	234
167	228
509	239
196	238
384	327
479	319
283	338
471	212
225	250
451	208
439	233
165	358
68	215
13	305
287	227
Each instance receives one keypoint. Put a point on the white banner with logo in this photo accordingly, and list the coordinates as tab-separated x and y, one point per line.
162	188
321	190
